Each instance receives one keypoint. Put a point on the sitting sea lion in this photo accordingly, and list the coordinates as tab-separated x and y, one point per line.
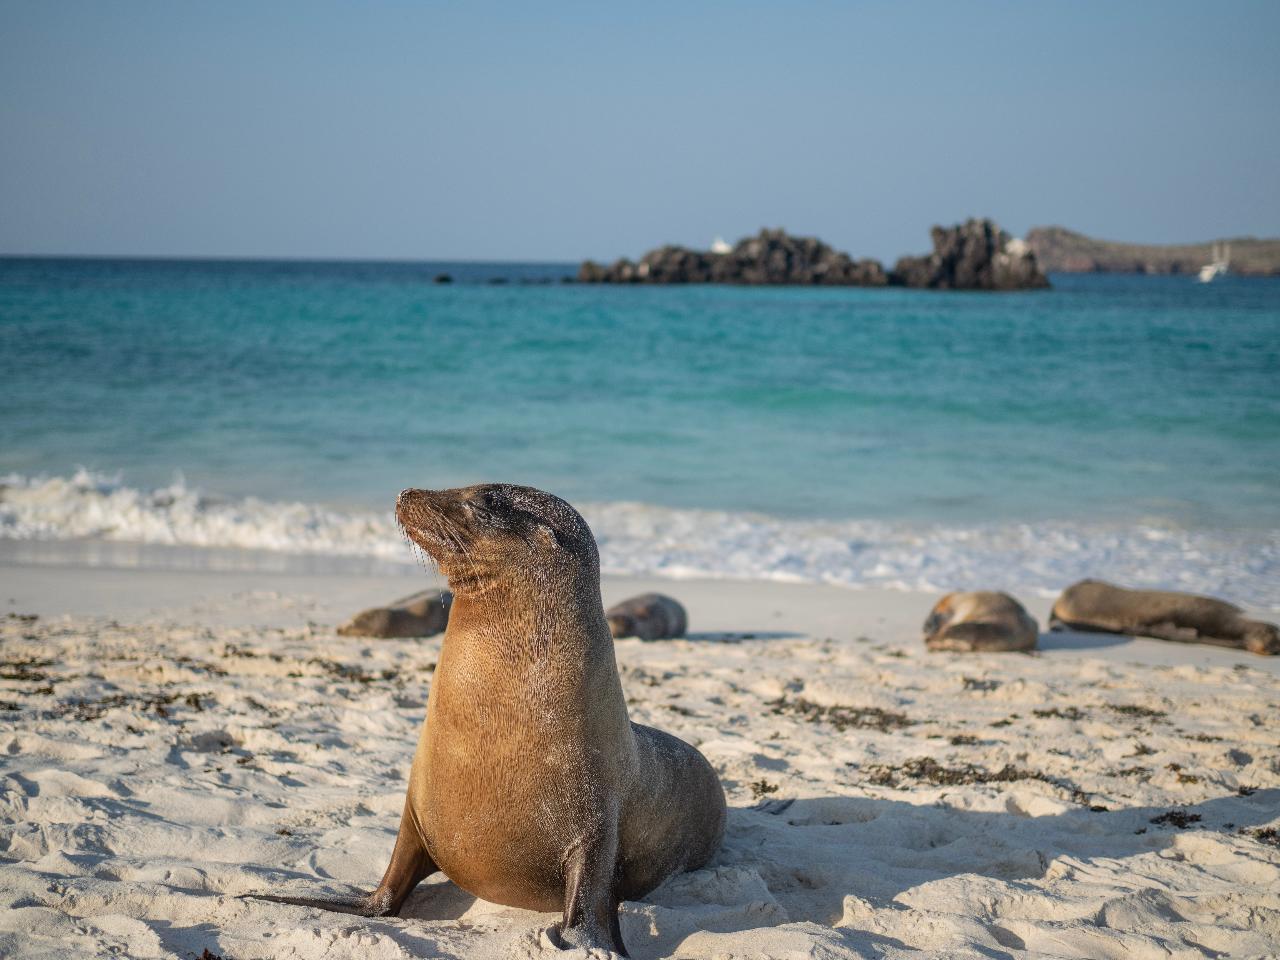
981	622
530	786
420	615
650	616
1092	605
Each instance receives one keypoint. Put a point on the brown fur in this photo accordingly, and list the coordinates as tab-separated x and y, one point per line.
420	615
1093	605
530	786
650	616
980	622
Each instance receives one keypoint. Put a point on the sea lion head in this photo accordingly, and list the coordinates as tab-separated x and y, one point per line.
943	613
378	622
497	533
1261	637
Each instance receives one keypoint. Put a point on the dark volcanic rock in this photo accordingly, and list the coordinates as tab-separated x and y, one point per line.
774	257
974	255
770	257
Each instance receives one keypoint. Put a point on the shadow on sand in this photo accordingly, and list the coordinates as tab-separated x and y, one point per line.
1079	640
737	636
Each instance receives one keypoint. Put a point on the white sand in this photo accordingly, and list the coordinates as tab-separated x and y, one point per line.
182	738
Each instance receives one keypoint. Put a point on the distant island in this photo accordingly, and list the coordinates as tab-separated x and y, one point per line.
1059	250
974	255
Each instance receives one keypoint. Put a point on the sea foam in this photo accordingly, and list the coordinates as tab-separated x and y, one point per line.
641	539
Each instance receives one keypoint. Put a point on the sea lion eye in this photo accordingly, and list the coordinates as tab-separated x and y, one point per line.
553	536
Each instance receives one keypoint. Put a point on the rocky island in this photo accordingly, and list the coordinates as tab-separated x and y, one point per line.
974	255
1064	251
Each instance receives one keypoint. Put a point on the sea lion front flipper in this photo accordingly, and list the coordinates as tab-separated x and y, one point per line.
410	865
591	893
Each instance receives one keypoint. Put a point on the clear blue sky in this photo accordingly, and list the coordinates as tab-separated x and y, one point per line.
539	131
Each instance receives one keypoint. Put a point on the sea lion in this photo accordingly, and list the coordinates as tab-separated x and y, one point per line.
650	616
980	622
1095	606
530	786
420	615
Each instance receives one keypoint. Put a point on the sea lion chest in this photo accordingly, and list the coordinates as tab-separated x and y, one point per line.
511	770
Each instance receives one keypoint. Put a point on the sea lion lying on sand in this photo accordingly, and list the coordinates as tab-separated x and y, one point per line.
981	622
1095	606
530	786
420	615
650	616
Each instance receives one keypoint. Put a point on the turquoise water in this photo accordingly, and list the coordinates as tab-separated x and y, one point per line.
1132	402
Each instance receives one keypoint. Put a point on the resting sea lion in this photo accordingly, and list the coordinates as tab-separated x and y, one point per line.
530	786
1092	605
650	616
420	615
981	622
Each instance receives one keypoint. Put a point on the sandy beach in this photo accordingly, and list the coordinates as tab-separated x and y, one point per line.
172	740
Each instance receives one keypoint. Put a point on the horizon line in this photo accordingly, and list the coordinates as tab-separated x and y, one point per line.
271	258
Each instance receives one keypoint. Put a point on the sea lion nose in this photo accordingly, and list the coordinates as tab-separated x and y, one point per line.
415	494
412	500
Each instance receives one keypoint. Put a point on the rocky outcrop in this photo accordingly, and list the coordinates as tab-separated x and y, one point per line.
1061	250
772	257
974	255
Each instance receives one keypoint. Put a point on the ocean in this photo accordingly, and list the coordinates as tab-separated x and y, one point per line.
1113	426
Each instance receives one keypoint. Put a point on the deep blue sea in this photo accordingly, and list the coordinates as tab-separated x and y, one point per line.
1112	426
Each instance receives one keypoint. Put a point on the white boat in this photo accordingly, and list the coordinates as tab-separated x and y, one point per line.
1218	268
718	245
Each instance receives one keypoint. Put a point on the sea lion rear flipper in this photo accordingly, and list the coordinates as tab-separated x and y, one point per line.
410	865
591	893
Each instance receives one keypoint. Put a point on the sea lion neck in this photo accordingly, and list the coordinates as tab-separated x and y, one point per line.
476	577
529	616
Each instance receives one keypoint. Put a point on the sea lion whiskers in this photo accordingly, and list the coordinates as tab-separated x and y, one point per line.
433	522
460	538
418	553
425	560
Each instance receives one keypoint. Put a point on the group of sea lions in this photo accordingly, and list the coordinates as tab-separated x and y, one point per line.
987	621
982	621
530	785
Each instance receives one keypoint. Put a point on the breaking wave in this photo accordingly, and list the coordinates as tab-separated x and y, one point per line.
641	539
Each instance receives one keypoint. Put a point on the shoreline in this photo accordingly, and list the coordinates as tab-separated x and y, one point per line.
91	519
718	608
